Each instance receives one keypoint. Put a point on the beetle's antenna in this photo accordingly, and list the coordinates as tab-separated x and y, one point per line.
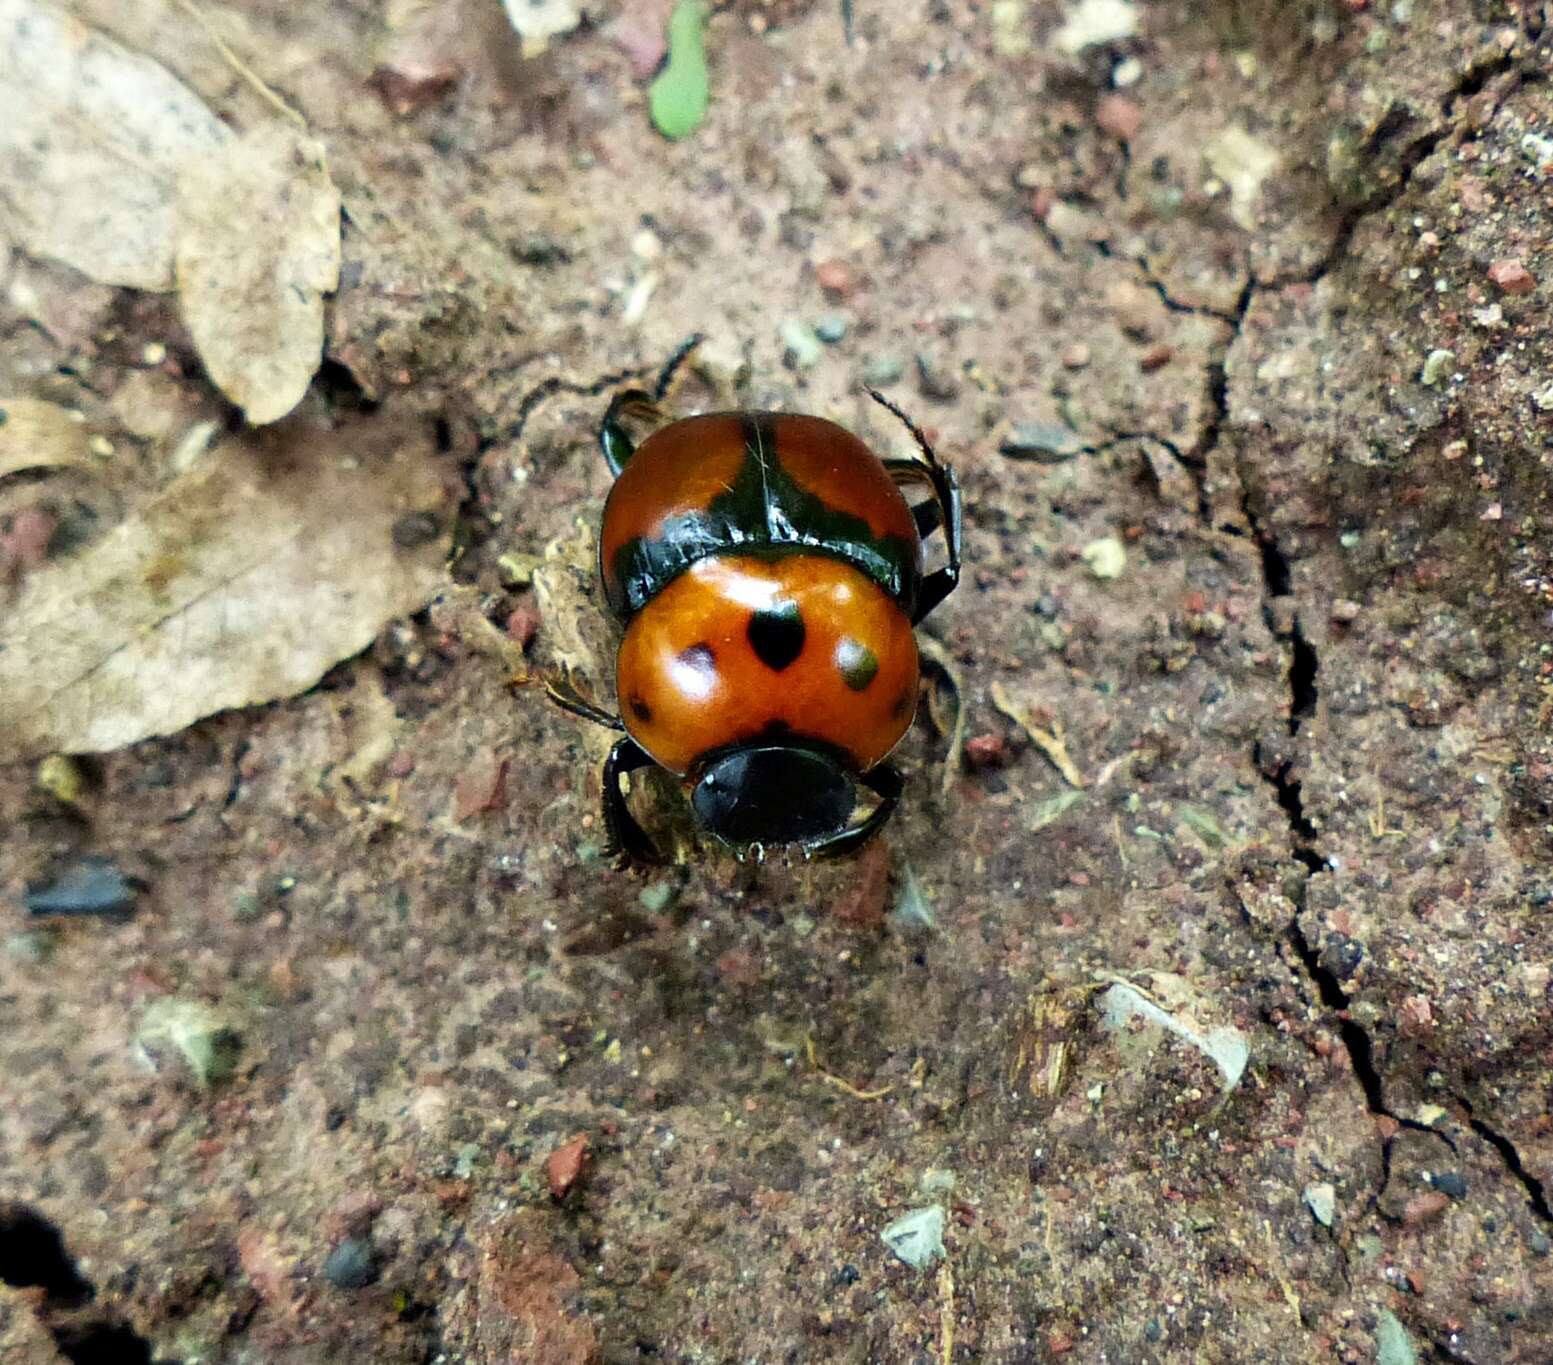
905	421
548	388
565	694
672	366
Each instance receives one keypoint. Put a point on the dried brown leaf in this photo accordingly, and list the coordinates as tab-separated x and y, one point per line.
242	582
258	248
92	137
1051	742
38	435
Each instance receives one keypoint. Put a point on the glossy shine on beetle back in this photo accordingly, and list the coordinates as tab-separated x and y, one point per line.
768	573
729	480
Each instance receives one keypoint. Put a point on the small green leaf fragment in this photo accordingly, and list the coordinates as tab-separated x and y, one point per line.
1393	1346
1047	812
191	1029
678	96
1204	826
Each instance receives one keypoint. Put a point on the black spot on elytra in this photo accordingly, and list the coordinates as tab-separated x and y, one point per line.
776	634
641	710
856	663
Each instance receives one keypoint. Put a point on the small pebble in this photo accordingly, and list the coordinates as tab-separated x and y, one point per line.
1435	366
917	1237
351	1265
1538	148
30	946
803	346
1321	1200
913	912
522	624
1118	116
414	529
565	1165
1155	358
61	777
656	896
1127	72
1511	276
89	886
1451	1183
1048	442
831	328
1106	558
834	277
883	370
1422	1207
1345	611
1076	356
935	379
986	751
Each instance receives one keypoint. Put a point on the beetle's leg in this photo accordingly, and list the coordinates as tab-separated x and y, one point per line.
886	783
639	407
929	516
615	440
941	582
625	834
945	511
563	692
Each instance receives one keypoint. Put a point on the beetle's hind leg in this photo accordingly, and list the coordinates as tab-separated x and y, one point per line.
625	834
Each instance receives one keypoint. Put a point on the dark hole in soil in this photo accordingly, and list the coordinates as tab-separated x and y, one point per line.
32	1253
1302	680
102	1343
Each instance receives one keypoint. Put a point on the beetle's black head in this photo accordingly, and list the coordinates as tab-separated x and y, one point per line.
773	793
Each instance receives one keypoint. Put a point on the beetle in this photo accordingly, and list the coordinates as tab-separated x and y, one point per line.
768	572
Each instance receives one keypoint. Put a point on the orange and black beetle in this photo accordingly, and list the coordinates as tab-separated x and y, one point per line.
768	573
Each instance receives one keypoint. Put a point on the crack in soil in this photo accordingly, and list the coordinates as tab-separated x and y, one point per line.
1304	664
1536	1190
1472	82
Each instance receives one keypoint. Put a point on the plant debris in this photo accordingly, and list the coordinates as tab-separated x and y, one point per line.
1122	1002
258	247
1049	742
678	97
242	582
37	435
93	138
192	1031
1042	1050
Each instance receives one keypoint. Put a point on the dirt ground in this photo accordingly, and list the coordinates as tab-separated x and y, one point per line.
1228	255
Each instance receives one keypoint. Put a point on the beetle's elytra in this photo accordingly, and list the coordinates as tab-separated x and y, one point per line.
768	572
